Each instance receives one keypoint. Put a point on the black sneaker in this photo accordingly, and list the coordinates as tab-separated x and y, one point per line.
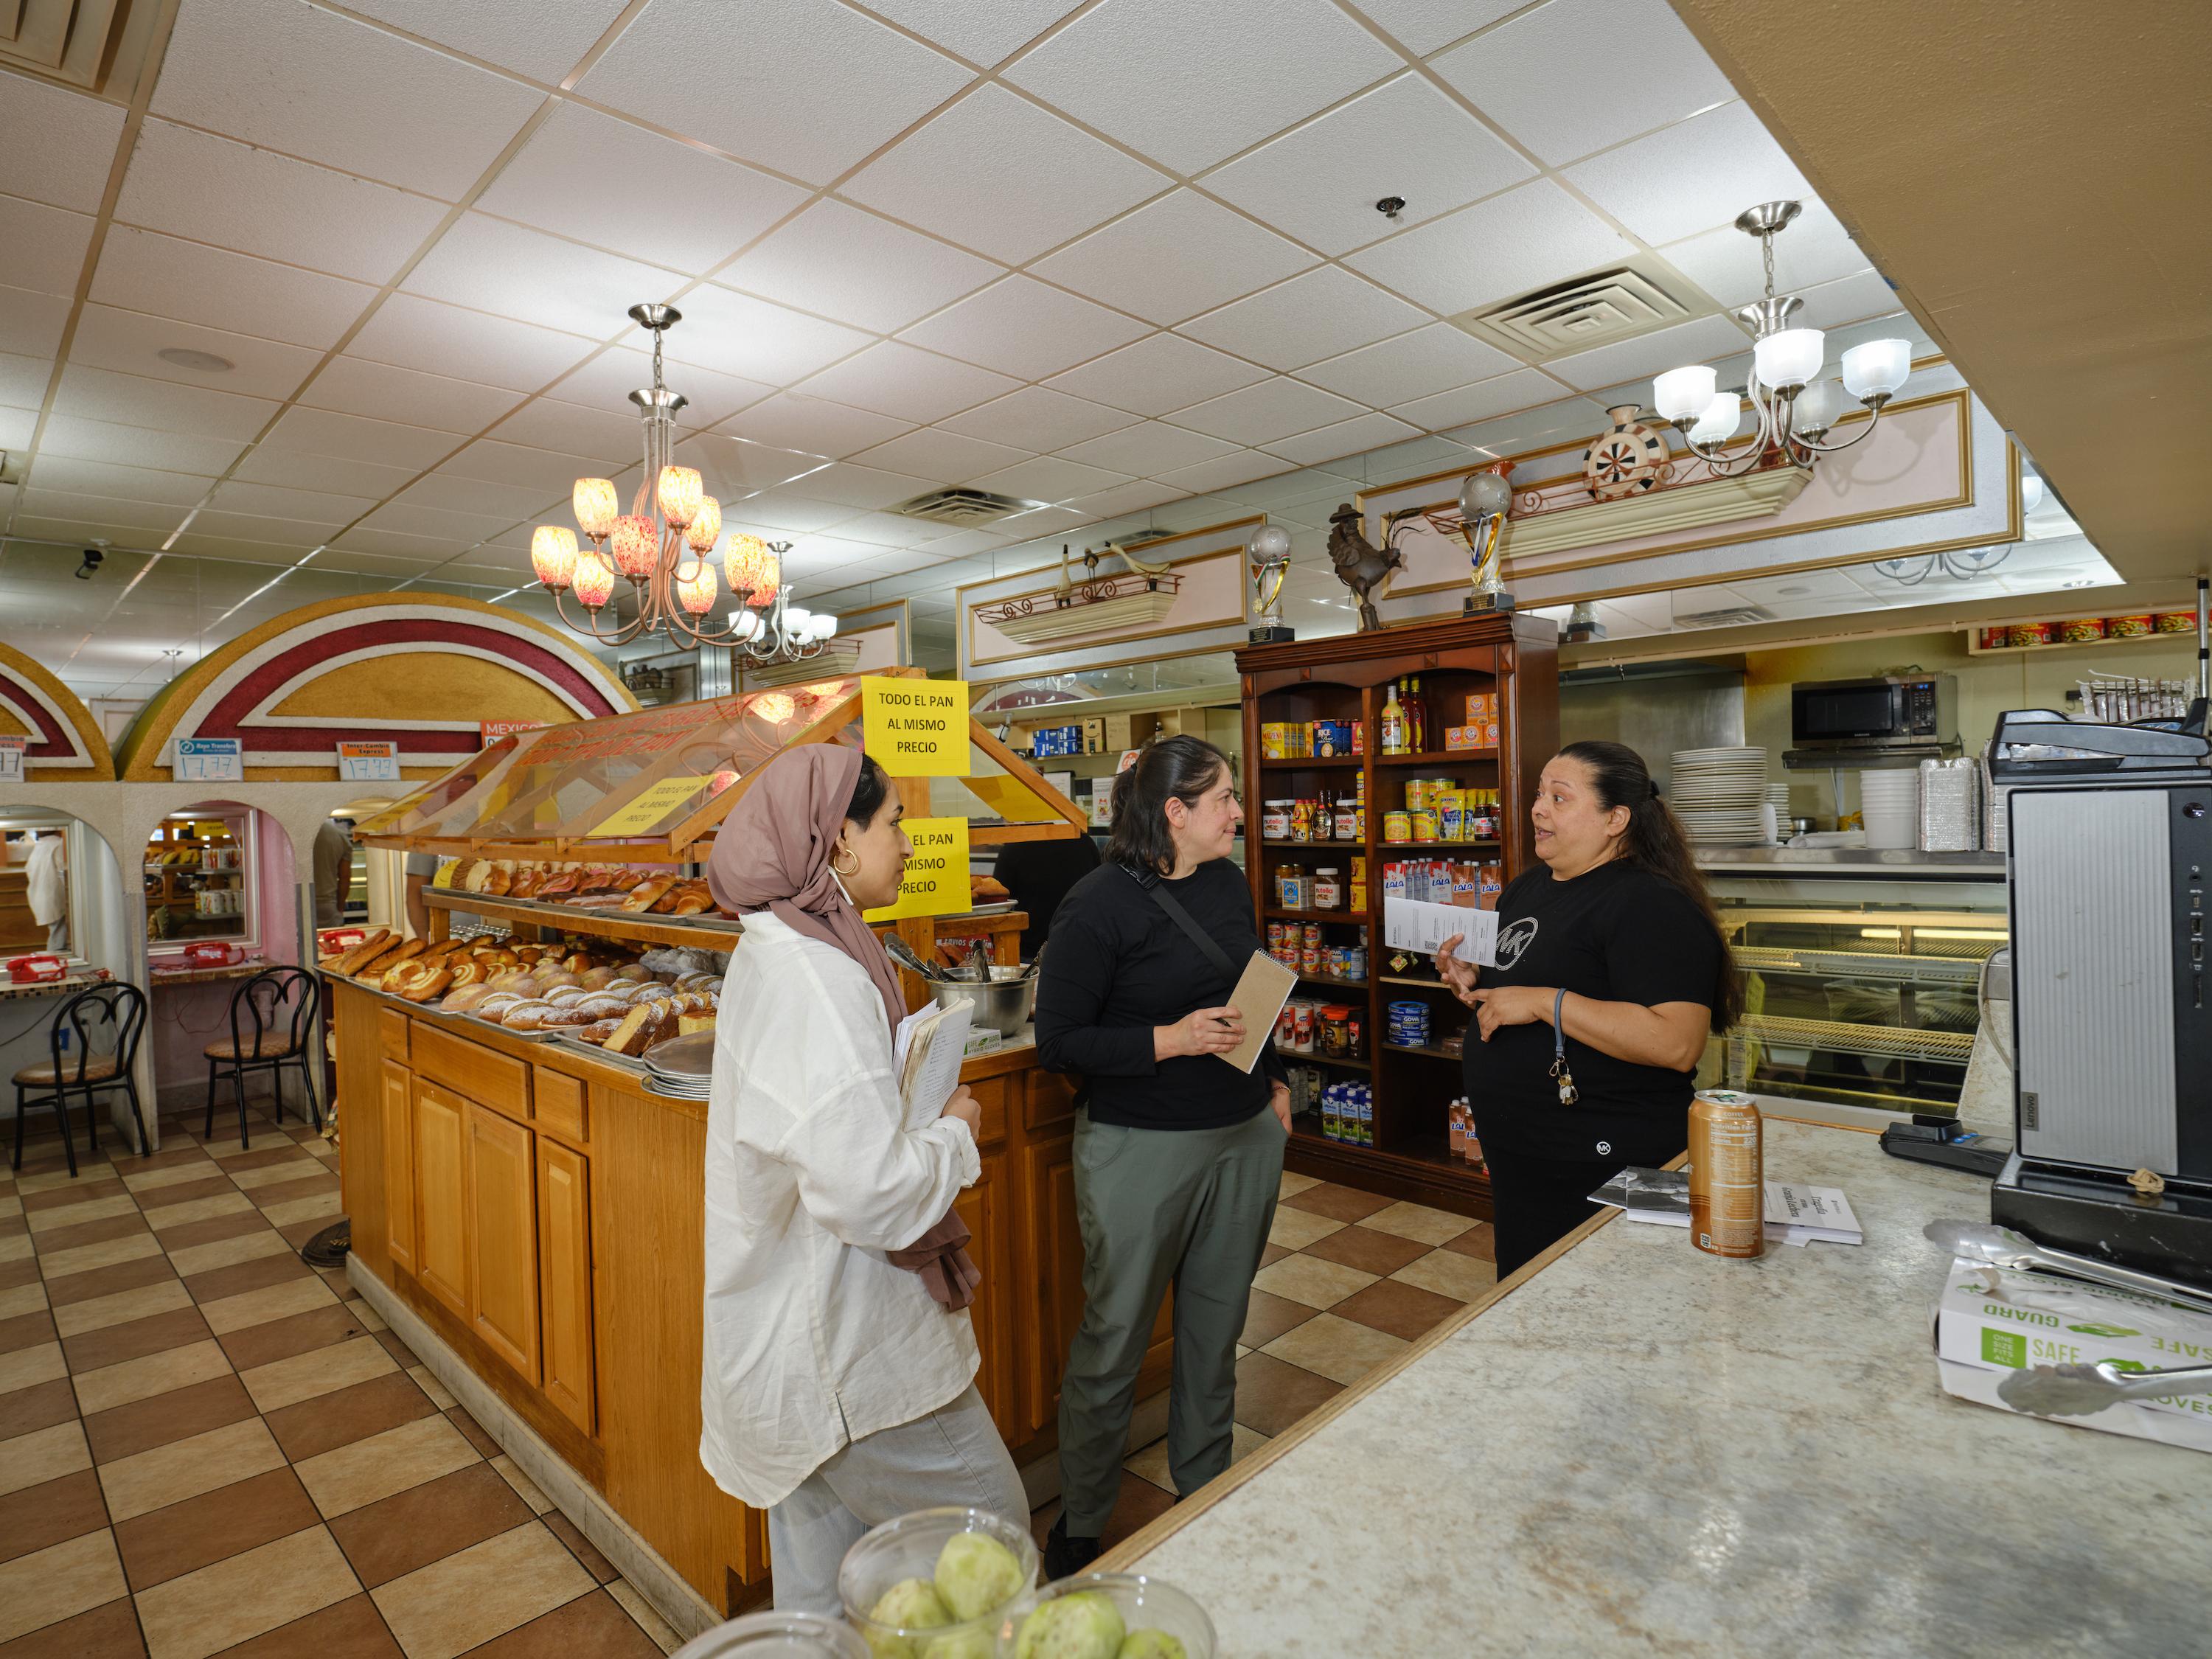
1063	1555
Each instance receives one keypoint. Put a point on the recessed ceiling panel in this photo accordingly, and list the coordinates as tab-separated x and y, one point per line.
859	267
1175	258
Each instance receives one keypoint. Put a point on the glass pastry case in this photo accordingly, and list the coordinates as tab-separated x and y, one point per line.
1862	970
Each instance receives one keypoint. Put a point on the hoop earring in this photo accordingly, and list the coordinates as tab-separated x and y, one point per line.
841	869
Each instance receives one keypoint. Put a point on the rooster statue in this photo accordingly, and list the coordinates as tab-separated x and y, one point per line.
1360	565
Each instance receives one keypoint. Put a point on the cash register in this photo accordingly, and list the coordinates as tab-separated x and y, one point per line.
2107	868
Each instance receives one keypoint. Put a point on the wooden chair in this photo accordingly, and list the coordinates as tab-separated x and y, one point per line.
273	1017
121	1007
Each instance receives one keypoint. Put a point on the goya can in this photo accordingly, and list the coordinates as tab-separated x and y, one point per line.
1727	1188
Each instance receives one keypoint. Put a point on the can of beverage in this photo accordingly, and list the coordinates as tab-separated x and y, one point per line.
1728	1189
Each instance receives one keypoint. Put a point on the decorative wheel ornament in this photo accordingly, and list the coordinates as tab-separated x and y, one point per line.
1625	459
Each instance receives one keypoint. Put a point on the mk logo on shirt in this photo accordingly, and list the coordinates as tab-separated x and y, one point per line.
1515	937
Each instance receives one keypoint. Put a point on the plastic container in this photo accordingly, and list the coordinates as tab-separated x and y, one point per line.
906	1546
1327	888
777	1636
1143	1601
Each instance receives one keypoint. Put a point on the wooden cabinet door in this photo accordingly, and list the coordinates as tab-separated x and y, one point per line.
503	1237
397	1122
441	1250
565	1279
1053	1249
983	1208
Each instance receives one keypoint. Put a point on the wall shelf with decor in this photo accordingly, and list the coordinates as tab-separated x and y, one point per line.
1349	678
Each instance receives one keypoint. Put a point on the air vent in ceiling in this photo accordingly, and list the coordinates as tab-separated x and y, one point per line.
1733	616
1617	303
66	40
961	506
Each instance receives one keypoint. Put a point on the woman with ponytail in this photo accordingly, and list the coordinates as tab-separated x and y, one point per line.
1611	974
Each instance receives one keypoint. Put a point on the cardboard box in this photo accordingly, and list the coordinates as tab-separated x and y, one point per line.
1094	737
1130	731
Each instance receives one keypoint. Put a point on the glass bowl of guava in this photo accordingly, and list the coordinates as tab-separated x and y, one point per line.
937	1583
1109	1615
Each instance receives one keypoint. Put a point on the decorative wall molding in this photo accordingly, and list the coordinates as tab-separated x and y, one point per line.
66	745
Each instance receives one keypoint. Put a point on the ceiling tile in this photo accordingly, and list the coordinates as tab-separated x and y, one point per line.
1427	360
1156	376
60	145
736	467
1521	389
1847	300
1426	24
1321	181
1321	314
210	190
1698	341
23	380
1352	437
1037	416
933	452
895	378
606	382
354	386
1521	240
41	247
100	394
610	439
845	485
774	114
131	445
1148	449
841	262
278	501
1225	471
409	519
51	471
780	510
294	533
287	75
868	534
351	437
541	38
449	492
1274	409
167	276
16	428
403	544
330	474
1048	478
511	271
1727	265
982	34
1175	258
1127	498
1632	64
1696	175
144	517
130	341
31	323
737	334
813	424
1021	327
543	471
578	176
412	332
1151	72
996	174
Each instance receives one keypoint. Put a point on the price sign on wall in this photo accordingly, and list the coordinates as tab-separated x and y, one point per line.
368	762
936	883
11	759
915	728
209	760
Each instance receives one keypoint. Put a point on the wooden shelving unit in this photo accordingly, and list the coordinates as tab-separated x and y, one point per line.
1346	678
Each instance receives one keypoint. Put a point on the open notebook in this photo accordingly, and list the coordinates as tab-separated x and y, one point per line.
927	1050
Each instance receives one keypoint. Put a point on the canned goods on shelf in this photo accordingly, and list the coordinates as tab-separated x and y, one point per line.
1398	826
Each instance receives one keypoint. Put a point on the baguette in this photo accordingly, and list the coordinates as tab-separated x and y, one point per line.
647	893
376	936
346	960
391	958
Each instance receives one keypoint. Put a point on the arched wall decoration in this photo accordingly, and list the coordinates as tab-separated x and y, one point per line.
421	671
66	743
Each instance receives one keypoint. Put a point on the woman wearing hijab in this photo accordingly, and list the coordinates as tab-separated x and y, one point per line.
836	1385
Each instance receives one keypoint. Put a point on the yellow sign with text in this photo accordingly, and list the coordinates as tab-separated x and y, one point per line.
915	728
936	883
643	812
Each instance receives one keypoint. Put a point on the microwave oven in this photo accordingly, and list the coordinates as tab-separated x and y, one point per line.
1888	714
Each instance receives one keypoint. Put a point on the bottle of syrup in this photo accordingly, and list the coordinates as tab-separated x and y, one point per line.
1416	716
1395	738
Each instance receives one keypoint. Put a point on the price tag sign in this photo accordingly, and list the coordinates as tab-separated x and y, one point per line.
915	728
936	883
643	813
488	730
368	762
209	760
11	759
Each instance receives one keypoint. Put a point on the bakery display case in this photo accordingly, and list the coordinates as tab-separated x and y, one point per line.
1863	971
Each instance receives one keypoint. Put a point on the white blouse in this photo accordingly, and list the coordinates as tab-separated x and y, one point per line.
812	1338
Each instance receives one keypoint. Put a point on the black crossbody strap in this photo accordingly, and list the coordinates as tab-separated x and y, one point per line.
1181	918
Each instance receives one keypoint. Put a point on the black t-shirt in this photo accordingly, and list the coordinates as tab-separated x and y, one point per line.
1616	933
1038	873
1117	965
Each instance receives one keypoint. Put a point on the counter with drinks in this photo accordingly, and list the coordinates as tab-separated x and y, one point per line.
1632	1446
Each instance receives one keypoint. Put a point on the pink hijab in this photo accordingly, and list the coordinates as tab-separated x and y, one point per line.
773	853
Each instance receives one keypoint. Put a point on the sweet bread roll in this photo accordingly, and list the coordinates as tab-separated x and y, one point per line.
647	893
560	995
622	878
597	1031
463	869
564	1017
499	882
461	999
496	1003
525	883
986	890
428	987
474	873
471	971
524	1016
693	901
557	885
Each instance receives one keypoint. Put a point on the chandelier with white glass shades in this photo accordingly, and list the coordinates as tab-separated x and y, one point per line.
665	546
1794	406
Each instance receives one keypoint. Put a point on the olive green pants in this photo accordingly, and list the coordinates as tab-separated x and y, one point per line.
1189	1208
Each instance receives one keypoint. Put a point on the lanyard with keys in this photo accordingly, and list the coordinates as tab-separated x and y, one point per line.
1561	1074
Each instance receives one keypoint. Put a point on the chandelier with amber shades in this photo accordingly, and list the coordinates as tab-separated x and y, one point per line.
665	546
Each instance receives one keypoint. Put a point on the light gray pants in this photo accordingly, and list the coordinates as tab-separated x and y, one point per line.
953	1455
57	937
1186	1206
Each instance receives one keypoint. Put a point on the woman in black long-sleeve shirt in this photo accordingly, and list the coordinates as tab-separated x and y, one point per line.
1178	1157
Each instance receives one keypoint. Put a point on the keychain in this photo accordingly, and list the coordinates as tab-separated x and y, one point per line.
1564	1078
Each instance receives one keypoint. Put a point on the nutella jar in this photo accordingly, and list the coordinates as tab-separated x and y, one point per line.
1327	889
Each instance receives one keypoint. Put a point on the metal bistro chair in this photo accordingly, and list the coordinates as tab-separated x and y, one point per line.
84	1072
277	1010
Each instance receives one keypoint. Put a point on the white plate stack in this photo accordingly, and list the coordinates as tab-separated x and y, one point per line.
1719	793
1889	803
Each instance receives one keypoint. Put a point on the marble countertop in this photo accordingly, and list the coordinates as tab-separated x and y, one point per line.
1643	1450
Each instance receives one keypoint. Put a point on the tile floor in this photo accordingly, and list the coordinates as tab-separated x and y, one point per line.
208	1447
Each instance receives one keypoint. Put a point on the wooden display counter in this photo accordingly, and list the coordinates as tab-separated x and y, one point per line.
541	1215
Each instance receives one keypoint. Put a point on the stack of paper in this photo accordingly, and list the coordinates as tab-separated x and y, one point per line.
1796	1214
930	1044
